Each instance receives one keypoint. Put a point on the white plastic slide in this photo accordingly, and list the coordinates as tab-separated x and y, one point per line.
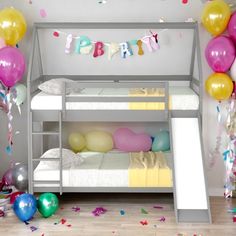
190	185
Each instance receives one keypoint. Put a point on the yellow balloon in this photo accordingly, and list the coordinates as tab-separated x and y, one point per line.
219	86
12	26
215	16
77	142
99	141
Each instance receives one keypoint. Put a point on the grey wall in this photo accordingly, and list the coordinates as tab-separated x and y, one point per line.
122	10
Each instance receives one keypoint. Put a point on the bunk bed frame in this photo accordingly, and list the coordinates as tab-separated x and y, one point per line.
109	81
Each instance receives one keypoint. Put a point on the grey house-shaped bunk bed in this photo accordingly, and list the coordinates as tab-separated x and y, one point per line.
175	70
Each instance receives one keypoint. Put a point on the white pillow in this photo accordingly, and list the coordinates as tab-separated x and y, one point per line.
69	158
54	86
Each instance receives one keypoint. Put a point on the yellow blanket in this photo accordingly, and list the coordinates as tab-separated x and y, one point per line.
149	169
147	105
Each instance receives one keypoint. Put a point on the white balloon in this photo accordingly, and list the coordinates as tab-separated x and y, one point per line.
233	71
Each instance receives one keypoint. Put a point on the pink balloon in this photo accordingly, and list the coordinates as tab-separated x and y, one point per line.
232	27
7	178
14	196
220	54
12	66
128	141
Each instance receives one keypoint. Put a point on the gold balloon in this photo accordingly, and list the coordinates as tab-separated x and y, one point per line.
215	16
12	26
219	86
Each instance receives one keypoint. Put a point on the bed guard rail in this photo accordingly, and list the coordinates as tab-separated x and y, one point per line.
147	92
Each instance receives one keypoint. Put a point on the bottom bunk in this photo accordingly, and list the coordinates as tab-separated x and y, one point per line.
118	170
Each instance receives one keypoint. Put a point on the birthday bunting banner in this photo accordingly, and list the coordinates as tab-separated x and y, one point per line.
84	45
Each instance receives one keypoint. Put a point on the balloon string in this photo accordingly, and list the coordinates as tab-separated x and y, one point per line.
215	154
10	118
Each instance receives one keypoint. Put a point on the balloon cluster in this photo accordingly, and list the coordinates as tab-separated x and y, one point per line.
12	64
123	139
17	176
220	52
26	205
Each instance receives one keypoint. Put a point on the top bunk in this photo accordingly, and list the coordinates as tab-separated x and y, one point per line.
166	80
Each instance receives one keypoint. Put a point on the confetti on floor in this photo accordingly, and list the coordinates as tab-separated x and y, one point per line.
76	209
143	222
43	13
184	1
158	207
33	228
99	211
162	219
122	212
143	211
63	221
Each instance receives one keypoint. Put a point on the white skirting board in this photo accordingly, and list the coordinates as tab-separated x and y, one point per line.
189	172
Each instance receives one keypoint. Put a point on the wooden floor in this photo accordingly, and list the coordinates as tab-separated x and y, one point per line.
113	223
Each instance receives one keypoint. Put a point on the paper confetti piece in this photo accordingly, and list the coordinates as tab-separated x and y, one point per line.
158	207
43	13
184	1
162	219
143	222
69	225
122	212
99	211
56	34
76	209
143	211
33	228
63	221
234	218
42	235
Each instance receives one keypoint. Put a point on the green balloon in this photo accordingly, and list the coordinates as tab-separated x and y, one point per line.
47	204
161	141
20	94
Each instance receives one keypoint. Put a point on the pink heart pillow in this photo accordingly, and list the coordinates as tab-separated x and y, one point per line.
128	141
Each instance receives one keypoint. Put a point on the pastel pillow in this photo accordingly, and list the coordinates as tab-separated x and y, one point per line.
54	86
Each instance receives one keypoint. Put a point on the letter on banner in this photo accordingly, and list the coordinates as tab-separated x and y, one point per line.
140	49
83	45
150	42
98	50
113	48
125	50
69	40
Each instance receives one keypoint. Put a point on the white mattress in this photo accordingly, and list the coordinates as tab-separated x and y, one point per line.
97	170
181	98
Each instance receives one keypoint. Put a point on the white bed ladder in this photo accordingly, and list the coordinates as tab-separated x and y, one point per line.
191	196
43	133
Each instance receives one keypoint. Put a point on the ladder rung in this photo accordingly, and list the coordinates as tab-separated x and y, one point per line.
45	133
46	159
46	182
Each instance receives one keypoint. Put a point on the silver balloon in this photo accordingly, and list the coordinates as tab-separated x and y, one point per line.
20	177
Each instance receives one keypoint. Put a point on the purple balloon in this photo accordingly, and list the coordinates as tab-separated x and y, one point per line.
12	66
232	27
7	178
220	54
